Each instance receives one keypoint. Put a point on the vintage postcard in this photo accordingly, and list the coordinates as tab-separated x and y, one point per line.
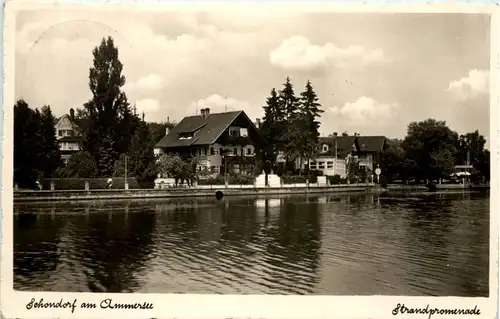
249	160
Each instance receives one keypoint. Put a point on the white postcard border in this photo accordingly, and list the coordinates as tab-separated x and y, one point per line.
13	303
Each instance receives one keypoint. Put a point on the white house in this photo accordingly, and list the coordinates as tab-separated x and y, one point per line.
68	137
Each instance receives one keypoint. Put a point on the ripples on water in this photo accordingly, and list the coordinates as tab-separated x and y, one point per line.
339	245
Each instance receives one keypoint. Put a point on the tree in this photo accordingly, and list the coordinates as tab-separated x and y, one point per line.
36	153
310	111
394	163
471	149
353	170
80	165
177	168
272	129
429	144
51	158
27	150
107	119
289	103
289	106
141	161
158	130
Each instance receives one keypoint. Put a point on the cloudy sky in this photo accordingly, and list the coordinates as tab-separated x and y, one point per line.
374	73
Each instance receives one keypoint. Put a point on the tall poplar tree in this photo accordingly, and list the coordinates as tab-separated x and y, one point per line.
108	120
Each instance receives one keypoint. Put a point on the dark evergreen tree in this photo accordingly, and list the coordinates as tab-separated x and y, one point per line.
289	106
26	145
51	159
289	103
272	129
310	111
107	119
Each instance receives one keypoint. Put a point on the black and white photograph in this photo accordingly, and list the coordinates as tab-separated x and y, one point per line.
250	150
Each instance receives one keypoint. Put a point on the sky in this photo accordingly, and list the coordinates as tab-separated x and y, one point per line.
374	73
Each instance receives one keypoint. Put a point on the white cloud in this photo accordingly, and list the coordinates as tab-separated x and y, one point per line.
475	85
218	104
147	106
150	82
365	110
297	53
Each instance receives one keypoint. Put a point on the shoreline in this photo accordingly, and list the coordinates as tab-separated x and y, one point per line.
194	192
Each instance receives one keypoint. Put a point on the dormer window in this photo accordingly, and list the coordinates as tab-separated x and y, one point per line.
325	148
185	136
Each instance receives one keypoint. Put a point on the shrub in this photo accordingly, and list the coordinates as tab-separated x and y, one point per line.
219	180
241	180
334	180
432	187
294	179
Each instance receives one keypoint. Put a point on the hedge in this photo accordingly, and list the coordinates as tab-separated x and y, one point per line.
294	179
232	180
94	183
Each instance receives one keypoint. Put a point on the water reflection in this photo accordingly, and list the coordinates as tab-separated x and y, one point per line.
339	244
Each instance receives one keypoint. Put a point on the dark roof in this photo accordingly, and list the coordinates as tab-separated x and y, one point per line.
343	142
74	139
371	143
206	129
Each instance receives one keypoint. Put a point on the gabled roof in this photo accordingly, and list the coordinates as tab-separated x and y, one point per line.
76	122
371	143
343	142
205	129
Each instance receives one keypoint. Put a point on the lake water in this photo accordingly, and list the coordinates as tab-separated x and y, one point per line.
435	245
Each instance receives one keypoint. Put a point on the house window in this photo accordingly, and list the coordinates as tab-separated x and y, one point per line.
71	133
312	165
249	151
212	151
60	133
204	151
325	148
321	165
235	151
329	164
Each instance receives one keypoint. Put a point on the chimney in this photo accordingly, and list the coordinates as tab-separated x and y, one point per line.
167	130
257	121
335	134
205	112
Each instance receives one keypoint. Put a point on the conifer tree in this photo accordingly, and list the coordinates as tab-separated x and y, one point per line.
272	128
310	111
